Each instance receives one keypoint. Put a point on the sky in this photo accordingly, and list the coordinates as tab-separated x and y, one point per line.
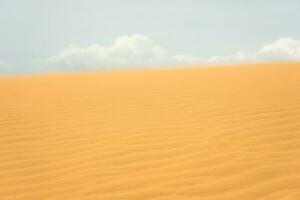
77	35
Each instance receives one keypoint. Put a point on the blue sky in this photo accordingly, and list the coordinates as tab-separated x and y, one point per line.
69	35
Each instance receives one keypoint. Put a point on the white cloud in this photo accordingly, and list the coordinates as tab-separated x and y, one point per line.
282	50
127	51
140	51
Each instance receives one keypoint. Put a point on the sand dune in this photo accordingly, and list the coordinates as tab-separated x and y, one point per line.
207	133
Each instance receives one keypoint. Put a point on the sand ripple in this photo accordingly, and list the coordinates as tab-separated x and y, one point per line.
215	133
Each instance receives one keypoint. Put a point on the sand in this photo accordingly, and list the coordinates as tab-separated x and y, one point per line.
201	133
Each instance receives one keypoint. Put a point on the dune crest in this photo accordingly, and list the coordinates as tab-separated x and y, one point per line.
207	133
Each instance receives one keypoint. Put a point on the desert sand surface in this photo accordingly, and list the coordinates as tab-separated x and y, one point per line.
200	133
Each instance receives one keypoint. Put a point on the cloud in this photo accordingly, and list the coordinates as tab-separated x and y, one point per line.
140	51
282	50
127	51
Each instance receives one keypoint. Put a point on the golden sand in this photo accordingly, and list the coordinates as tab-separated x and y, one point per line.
208	133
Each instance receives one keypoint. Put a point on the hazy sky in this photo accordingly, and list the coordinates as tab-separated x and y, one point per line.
32	30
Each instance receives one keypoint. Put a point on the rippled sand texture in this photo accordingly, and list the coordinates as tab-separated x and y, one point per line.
208	133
